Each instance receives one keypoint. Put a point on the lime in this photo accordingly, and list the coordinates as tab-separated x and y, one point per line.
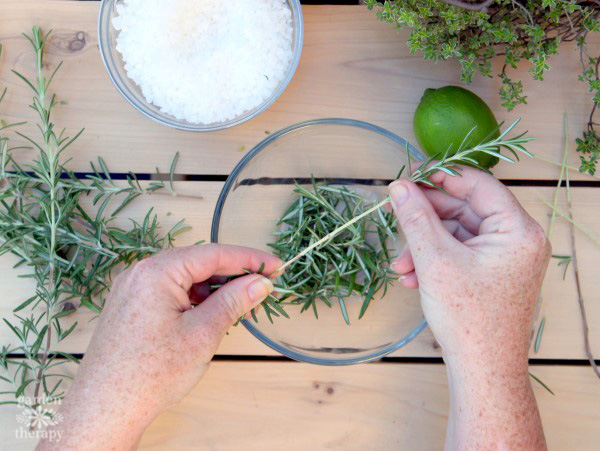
446	115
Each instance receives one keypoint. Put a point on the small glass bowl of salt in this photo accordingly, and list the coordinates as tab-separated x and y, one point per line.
197	65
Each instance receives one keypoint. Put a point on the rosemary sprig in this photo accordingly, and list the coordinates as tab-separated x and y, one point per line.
448	164
69	251
332	265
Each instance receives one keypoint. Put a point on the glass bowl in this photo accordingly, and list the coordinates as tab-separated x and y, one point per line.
346	152
113	62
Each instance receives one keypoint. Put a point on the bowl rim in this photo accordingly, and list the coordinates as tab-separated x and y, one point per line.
214	235
141	104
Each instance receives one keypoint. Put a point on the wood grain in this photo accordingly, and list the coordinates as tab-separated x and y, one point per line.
352	66
562	336
292	406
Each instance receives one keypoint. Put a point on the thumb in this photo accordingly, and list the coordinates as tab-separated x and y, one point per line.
234	299
425	234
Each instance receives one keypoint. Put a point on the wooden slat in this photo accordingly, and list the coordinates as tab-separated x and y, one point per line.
352	66
278	405
562	337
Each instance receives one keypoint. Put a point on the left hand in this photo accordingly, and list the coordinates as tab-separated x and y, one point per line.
151	346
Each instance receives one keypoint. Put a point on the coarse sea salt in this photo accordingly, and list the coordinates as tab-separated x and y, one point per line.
204	61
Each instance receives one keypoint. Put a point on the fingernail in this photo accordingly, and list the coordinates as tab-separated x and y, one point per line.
394	267
260	289
398	192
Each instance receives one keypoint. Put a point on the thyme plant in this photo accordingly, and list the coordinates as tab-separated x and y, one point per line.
474	32
67	249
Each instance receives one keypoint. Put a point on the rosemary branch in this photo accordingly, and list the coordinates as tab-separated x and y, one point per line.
448	164
69	252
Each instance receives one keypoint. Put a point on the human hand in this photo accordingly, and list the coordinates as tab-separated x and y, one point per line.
478	260
151	347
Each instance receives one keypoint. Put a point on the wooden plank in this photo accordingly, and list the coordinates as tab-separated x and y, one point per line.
352	66
280	405
562	337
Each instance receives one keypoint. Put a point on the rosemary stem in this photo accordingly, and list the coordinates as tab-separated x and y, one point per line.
570	168
330	235
564	215
51	148
584	321
560	179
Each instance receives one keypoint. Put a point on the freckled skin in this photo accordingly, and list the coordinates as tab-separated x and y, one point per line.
150	347
478	291
476	256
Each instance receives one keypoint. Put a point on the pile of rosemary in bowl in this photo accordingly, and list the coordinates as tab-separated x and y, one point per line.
352	263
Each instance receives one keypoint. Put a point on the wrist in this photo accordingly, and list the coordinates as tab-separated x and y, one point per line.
477	353
486	364
483	380
94	418
494	405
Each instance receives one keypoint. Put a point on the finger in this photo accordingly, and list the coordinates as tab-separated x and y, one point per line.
449	207
425	234
457	230
410	280
195	264
485	195
404	263
230	302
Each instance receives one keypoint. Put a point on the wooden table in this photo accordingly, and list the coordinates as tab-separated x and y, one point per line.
352	66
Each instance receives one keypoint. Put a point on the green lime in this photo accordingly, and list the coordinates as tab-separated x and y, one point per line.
446	115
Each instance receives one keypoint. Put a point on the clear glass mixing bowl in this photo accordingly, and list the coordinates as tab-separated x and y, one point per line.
356	154
113	62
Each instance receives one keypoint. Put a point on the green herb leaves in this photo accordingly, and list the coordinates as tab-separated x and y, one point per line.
69	251
474	33
354	261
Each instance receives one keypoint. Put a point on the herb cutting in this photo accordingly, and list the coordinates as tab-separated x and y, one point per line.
69	251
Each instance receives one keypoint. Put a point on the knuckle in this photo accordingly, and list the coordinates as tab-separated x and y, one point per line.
234	305
210	248
537	236
140	268
413	219
142	273
121	278
535	242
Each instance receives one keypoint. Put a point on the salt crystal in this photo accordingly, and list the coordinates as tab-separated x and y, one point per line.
204	61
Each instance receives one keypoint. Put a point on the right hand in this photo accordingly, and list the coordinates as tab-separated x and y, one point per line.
478	260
